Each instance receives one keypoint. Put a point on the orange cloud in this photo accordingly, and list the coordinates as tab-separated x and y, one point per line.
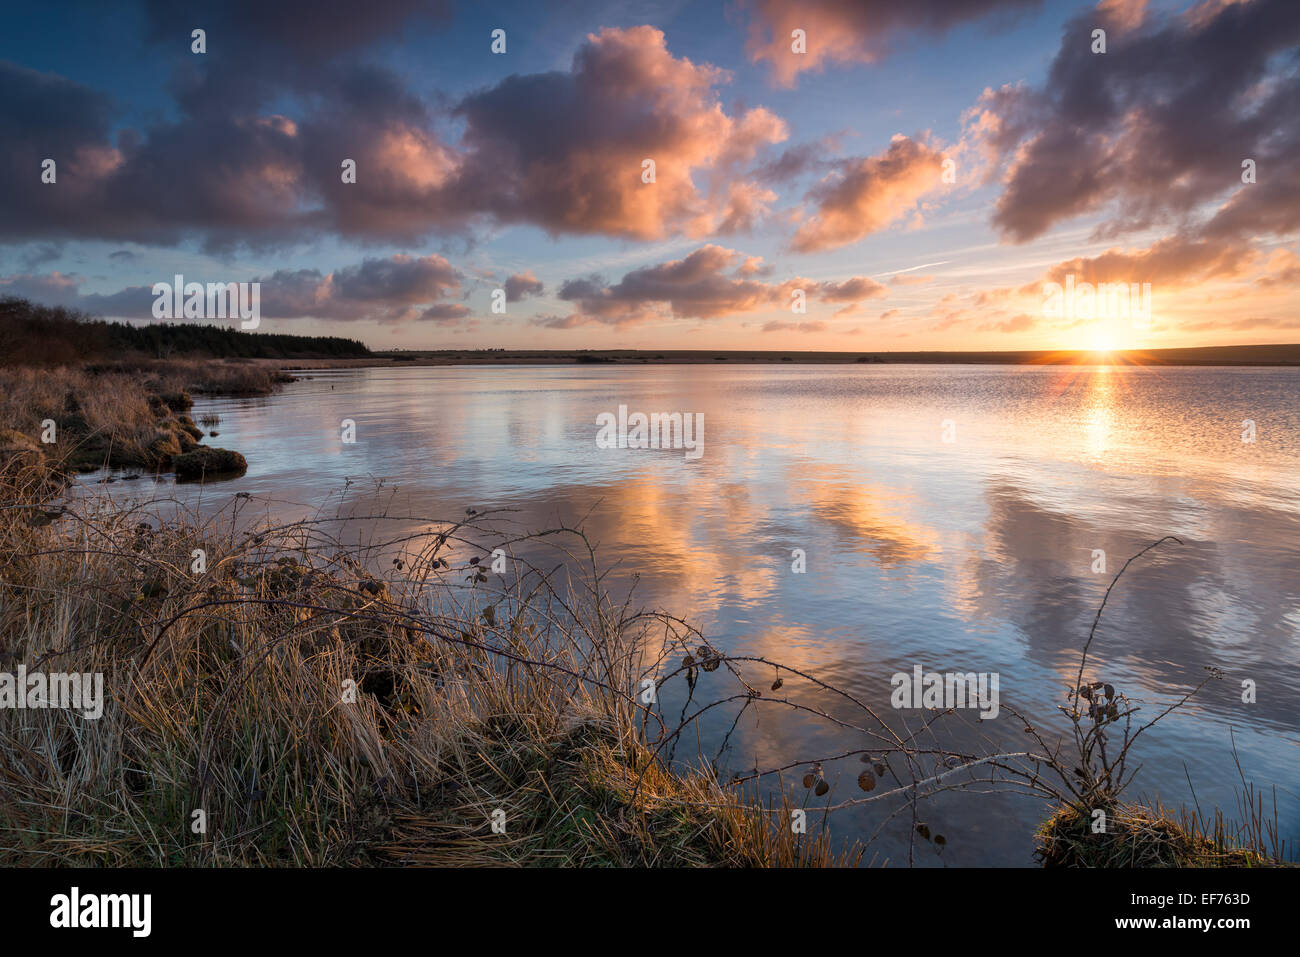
1174	261
566	151
867	194
850	31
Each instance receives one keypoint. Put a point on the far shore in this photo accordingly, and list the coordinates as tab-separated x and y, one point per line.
1255	355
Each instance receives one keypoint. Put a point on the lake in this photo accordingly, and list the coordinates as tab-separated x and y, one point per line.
947	517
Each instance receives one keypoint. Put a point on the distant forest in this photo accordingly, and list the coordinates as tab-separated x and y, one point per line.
32	334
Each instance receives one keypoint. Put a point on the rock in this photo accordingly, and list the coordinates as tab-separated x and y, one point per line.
204	461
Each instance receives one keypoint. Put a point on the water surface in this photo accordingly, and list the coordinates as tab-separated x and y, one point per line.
968	555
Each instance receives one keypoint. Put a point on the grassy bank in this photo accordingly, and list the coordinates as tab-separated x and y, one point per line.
318	715
123	415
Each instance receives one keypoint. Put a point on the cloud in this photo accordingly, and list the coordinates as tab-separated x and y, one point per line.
1283	269
1173	261
54	289
857	289
796	161
552	321
224	177
562	151
709	283
1156	128
395	289
523	284
445	312
866	194
1244	324
295	44
852	31
779	326
397	280
1019	323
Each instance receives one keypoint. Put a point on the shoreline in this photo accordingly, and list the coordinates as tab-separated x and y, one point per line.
1255	356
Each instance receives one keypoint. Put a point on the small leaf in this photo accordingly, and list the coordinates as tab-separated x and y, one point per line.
940	840
808	780
867	781
923	830
776	685
822	787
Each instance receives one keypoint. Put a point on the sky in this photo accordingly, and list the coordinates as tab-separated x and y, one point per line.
858	175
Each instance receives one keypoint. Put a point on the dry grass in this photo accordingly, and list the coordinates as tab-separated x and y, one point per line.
227	693
113	404
126	415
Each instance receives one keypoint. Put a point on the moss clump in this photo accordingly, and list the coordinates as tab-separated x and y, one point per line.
1136	836
204	461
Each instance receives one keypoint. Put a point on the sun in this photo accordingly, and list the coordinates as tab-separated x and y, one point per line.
1102	338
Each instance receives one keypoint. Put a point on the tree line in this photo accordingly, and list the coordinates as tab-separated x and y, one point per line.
34	334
